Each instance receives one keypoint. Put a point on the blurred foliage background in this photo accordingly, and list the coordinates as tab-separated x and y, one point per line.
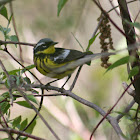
71	120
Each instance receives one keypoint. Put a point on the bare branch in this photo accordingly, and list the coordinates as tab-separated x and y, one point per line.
21	133
12	42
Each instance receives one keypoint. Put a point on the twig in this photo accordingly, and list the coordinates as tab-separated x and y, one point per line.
10	81
44	95
3	68
13	42
118	5
14	25
137	16
114	7
126	110
22	65
135	21
6	126
21	133
75	79
113	23
129	91
109	111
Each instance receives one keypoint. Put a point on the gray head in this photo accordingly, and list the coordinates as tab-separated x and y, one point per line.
44	44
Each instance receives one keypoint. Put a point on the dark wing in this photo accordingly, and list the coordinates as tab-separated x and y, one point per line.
66	55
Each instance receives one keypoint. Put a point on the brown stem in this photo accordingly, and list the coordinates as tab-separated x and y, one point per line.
14	25
130	33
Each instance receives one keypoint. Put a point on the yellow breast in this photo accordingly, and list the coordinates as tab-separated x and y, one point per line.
46	67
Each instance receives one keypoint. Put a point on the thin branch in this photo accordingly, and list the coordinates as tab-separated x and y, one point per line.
4	69
137	16
129	91
97	27
22	65
109	111
118	5
113	23
126	110
14	25
13	42
21	133
6	126
114	7
44	95
75	79
10	81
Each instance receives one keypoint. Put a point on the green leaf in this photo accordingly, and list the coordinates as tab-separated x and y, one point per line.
7	37
120	62
34	91
1	98
23	138
16	122
24	104
60	5
18	80
31	128
7	84
91	41
135	24
3	12
4	30
10	18
4	106
27	80
7	30
13	72
6	95
133	72
32	98
27	68
14	38
24	124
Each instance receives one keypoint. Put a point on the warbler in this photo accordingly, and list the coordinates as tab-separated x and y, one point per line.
58	62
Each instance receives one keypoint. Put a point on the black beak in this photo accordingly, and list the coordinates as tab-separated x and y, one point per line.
54	43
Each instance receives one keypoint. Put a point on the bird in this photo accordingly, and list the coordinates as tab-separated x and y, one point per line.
56	62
